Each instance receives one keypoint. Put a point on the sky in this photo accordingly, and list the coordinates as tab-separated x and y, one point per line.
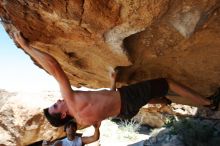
17	70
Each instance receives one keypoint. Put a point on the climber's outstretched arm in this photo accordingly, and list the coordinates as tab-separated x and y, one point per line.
48	63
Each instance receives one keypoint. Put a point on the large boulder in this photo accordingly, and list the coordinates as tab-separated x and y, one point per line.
159	38
158	115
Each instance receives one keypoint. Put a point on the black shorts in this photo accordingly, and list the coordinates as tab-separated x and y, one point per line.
134	96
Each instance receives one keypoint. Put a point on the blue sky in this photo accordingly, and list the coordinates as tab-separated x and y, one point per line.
18	72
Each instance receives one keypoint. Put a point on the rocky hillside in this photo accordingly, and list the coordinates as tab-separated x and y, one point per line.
178	39
21	118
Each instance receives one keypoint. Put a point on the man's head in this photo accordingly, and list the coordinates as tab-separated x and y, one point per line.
57	114
70	129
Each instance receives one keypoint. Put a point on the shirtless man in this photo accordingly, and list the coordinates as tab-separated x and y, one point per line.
91	107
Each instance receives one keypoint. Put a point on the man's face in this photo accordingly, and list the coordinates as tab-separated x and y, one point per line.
57	107
70	131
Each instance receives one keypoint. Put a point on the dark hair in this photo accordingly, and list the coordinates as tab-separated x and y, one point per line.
70	123
55	119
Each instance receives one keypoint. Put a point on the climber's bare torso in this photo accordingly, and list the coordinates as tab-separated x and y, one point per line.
90	107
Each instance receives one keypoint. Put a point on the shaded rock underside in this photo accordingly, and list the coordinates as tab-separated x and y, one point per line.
178	39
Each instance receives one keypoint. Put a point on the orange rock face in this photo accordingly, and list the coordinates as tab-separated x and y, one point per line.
157	38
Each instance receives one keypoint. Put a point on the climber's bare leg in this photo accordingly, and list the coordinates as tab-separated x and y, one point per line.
188	93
